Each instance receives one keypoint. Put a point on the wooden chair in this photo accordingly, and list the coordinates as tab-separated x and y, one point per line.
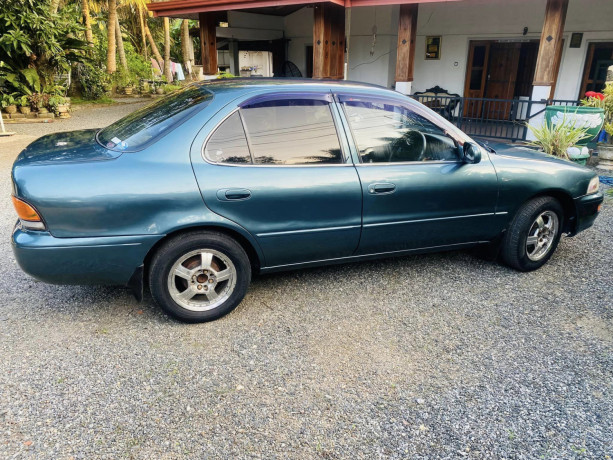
440	100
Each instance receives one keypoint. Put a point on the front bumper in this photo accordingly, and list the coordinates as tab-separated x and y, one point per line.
99	260
587	207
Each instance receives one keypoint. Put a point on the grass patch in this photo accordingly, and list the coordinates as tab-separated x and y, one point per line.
102	100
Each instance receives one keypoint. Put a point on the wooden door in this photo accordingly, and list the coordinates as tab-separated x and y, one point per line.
599	57
502	74
476	76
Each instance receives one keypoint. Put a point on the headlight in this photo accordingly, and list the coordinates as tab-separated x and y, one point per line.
593	186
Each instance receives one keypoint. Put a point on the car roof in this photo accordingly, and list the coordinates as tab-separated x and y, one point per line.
248	85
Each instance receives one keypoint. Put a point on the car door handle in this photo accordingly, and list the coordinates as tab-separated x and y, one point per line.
381	188
233	194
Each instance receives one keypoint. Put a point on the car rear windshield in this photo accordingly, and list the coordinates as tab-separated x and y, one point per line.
142	127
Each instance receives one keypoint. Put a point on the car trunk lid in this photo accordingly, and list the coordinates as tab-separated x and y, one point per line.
74	146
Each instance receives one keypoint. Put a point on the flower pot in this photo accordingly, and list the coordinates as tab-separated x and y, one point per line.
605	156
160	90
62	108
25	110
10	108
591	118
578	154
128	90
43	110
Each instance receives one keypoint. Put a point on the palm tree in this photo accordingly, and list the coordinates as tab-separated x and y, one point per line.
154	48
185	42
111	64
120	50
142	29
87	20
167	72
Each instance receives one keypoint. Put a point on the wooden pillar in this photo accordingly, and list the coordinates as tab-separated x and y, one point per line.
546	69
405	54
551	40
328	41
208	42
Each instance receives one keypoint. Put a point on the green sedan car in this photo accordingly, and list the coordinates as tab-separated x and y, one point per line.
194	193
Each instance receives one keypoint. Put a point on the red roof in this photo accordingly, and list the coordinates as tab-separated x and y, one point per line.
181	8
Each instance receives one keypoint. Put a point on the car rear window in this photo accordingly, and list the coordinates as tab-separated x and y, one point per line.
144	126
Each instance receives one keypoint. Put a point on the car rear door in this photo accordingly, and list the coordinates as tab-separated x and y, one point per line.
277	166
417	193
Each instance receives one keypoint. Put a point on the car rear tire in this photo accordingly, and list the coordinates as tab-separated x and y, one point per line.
199	276
534	234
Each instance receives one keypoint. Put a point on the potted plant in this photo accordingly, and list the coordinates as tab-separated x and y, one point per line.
24	104
39	102
8	103
559	139
59	105
605	140
589	116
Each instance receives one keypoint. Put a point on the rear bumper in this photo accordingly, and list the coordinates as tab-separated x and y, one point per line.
587	207
100	260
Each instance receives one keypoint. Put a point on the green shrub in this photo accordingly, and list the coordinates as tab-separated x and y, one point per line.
94	81
555	139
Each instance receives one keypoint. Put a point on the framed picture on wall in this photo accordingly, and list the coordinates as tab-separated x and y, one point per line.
433	47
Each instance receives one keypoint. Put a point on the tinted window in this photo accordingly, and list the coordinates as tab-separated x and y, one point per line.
391	133
143	126
228	143
292	132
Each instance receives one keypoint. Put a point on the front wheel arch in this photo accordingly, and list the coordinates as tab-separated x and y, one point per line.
565	200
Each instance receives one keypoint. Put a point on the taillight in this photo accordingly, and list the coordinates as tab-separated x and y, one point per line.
29	217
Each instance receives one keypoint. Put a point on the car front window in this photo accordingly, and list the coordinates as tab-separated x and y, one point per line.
142	127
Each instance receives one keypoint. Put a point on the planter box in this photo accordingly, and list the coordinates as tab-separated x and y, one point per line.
605	156
583	117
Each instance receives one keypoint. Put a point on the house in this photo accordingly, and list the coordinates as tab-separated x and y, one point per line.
497	60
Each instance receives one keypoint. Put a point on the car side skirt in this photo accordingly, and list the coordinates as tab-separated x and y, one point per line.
379	255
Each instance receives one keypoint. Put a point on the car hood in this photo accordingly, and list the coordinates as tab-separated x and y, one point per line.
68	147
523	153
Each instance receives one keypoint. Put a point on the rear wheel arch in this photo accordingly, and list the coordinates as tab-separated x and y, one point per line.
248	246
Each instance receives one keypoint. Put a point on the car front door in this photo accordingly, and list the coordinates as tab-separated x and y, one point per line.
417	191
275	166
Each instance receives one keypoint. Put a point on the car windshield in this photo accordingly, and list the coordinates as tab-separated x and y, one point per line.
147	124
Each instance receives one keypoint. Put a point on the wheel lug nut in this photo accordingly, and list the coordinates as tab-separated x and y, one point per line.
200	286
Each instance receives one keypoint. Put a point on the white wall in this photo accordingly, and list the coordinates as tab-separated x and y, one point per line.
460	22
380	67
457	23
299	29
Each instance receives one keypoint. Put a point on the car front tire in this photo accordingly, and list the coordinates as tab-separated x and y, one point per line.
533	235
199	276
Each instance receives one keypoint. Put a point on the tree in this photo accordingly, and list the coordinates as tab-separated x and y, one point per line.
167	72
54	6
120	49
185	46
154	48
87	20
35	44
142	29
111	56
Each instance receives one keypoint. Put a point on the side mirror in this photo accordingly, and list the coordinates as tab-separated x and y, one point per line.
472	153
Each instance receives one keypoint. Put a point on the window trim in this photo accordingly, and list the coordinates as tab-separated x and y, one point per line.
341	98
346	159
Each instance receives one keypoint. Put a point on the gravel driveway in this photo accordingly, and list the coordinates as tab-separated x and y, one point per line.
435	356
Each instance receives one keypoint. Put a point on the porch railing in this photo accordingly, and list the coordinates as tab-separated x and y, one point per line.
493	118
